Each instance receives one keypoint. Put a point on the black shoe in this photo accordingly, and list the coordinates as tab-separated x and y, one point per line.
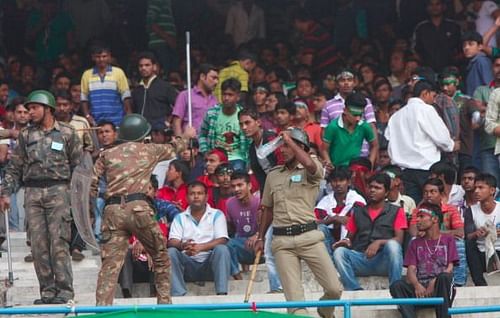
221	294
58	300
126	293
43	301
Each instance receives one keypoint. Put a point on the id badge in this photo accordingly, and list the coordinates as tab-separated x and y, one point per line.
57	146
296	178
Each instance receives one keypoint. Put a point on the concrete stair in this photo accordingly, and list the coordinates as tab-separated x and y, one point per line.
26	289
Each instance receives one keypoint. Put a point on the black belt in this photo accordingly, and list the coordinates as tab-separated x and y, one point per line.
44	183
295	229
117	199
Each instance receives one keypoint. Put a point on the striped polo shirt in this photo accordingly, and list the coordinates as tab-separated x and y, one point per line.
105	94
160	13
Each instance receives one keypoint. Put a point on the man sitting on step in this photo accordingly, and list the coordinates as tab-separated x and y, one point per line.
373	242
197	244
430	260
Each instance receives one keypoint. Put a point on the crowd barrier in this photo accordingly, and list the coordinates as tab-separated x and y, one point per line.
347	304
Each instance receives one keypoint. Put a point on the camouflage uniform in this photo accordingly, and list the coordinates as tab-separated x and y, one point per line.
128	168
43	162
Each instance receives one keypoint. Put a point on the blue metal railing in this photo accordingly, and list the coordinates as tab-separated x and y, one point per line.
346	304
473	310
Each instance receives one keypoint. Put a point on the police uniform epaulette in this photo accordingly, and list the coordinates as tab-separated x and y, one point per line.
65	125
276	167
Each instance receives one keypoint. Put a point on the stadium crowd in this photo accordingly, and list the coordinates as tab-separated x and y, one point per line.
382	122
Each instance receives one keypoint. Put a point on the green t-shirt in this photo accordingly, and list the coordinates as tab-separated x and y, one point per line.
227	130
345	145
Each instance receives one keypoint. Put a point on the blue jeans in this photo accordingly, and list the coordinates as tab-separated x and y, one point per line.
98	211
238	165
239	253
489	163
328	237
272	272
351	263
184	269
460	271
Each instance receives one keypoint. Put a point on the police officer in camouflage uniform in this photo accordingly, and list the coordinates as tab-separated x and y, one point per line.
46	154
128	167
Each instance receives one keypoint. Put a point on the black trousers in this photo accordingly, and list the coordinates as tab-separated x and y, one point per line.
477	262
413	181
135	271
443	288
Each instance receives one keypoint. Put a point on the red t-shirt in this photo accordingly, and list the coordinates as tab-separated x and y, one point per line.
399	221
170	194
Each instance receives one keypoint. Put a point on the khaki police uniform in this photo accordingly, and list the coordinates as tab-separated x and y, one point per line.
291	194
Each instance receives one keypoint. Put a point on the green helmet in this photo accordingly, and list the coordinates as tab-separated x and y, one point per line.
134	127
300	136
41	97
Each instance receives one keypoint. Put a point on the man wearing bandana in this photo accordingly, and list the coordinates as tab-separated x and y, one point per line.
430	260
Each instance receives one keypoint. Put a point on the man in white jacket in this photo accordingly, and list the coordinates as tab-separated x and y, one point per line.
417	135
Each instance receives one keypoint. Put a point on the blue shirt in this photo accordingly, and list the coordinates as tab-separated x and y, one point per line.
479	72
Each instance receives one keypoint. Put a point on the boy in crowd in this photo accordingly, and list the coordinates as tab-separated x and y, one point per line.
430	260
334	209
284	115
479	70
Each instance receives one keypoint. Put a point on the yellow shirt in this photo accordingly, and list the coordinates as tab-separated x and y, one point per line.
233	70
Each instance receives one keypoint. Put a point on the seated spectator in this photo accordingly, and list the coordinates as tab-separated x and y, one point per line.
218	195
197	244
452	224
361	169
175	189
137	266
395	197
333	211
446	172
242	215
467	182
481	219
194	159
259	97
430	260
373	242
344	136
212	160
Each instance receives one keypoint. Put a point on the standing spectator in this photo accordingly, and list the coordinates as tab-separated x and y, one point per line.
221	128
288	200
451	224
201	100
45	172
317	49
347	80
75	90
430	260
333	211
105	92
51	30
344	136
245	21
197	244
487	137
162	32
487	13
242	216
373	242
437	40
154	97
416	134
480	219
240	70
479	69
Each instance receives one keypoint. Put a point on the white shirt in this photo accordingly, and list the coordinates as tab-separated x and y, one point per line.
480	219
408	203
456	196
417	135
244	27
212	226
160	171
485	21
328	203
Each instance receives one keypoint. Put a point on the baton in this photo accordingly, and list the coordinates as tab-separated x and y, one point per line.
9	250
252	276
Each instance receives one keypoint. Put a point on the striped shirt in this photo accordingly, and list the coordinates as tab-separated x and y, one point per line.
105	94
160	13
335	107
